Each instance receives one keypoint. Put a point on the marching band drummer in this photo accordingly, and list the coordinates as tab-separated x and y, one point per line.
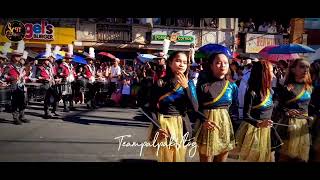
67	73
14	75
53	58
90	76
45	76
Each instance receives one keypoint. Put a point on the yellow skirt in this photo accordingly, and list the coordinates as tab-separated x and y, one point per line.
254	144
168	152
298	144
215	142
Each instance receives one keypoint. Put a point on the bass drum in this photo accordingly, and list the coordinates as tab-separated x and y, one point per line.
35	91
5	95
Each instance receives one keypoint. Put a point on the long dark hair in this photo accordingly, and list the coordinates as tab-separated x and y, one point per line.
260	72
315	70
290	78
169	73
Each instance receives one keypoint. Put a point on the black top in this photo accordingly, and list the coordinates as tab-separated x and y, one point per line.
172	99
221	94
257	108
288	93
314	106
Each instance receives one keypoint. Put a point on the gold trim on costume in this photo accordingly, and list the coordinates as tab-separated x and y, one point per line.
169	93
263	102
220	95
297	97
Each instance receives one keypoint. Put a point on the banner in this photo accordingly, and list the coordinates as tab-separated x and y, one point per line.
61	36
256	42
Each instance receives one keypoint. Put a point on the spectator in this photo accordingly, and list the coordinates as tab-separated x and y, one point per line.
234	67
115	75
194	72
251	25
246	27
281	29
289	29
263	27
273	28
125	92
243	85
101	72
241	27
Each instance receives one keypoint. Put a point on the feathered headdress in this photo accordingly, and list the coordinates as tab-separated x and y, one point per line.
20	49
48	51
69	54
25	55
56	50
166	45
91	53
6	48
21	46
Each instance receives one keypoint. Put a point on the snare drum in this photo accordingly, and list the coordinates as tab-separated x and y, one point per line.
5	95
103	86
83	83
66	88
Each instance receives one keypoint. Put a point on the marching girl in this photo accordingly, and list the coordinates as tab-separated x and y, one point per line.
215	136
254	134
294	99
314	110
170	97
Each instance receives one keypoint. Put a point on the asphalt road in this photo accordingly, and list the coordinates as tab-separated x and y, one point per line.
80	135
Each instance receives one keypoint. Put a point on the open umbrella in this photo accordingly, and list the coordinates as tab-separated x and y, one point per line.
315	56
108	55
276	57
41	55
79	59
291	49
146	57
209	49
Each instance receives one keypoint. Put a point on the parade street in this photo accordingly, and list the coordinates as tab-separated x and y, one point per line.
81	135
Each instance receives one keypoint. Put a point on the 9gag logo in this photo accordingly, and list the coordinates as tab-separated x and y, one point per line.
43	31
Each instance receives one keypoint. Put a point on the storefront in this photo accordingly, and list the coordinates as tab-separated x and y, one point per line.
39	34
180	39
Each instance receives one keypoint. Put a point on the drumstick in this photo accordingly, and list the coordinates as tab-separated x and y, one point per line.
279	124
154	122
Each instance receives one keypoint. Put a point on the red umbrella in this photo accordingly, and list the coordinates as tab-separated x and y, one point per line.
107	55
235	54
276	57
